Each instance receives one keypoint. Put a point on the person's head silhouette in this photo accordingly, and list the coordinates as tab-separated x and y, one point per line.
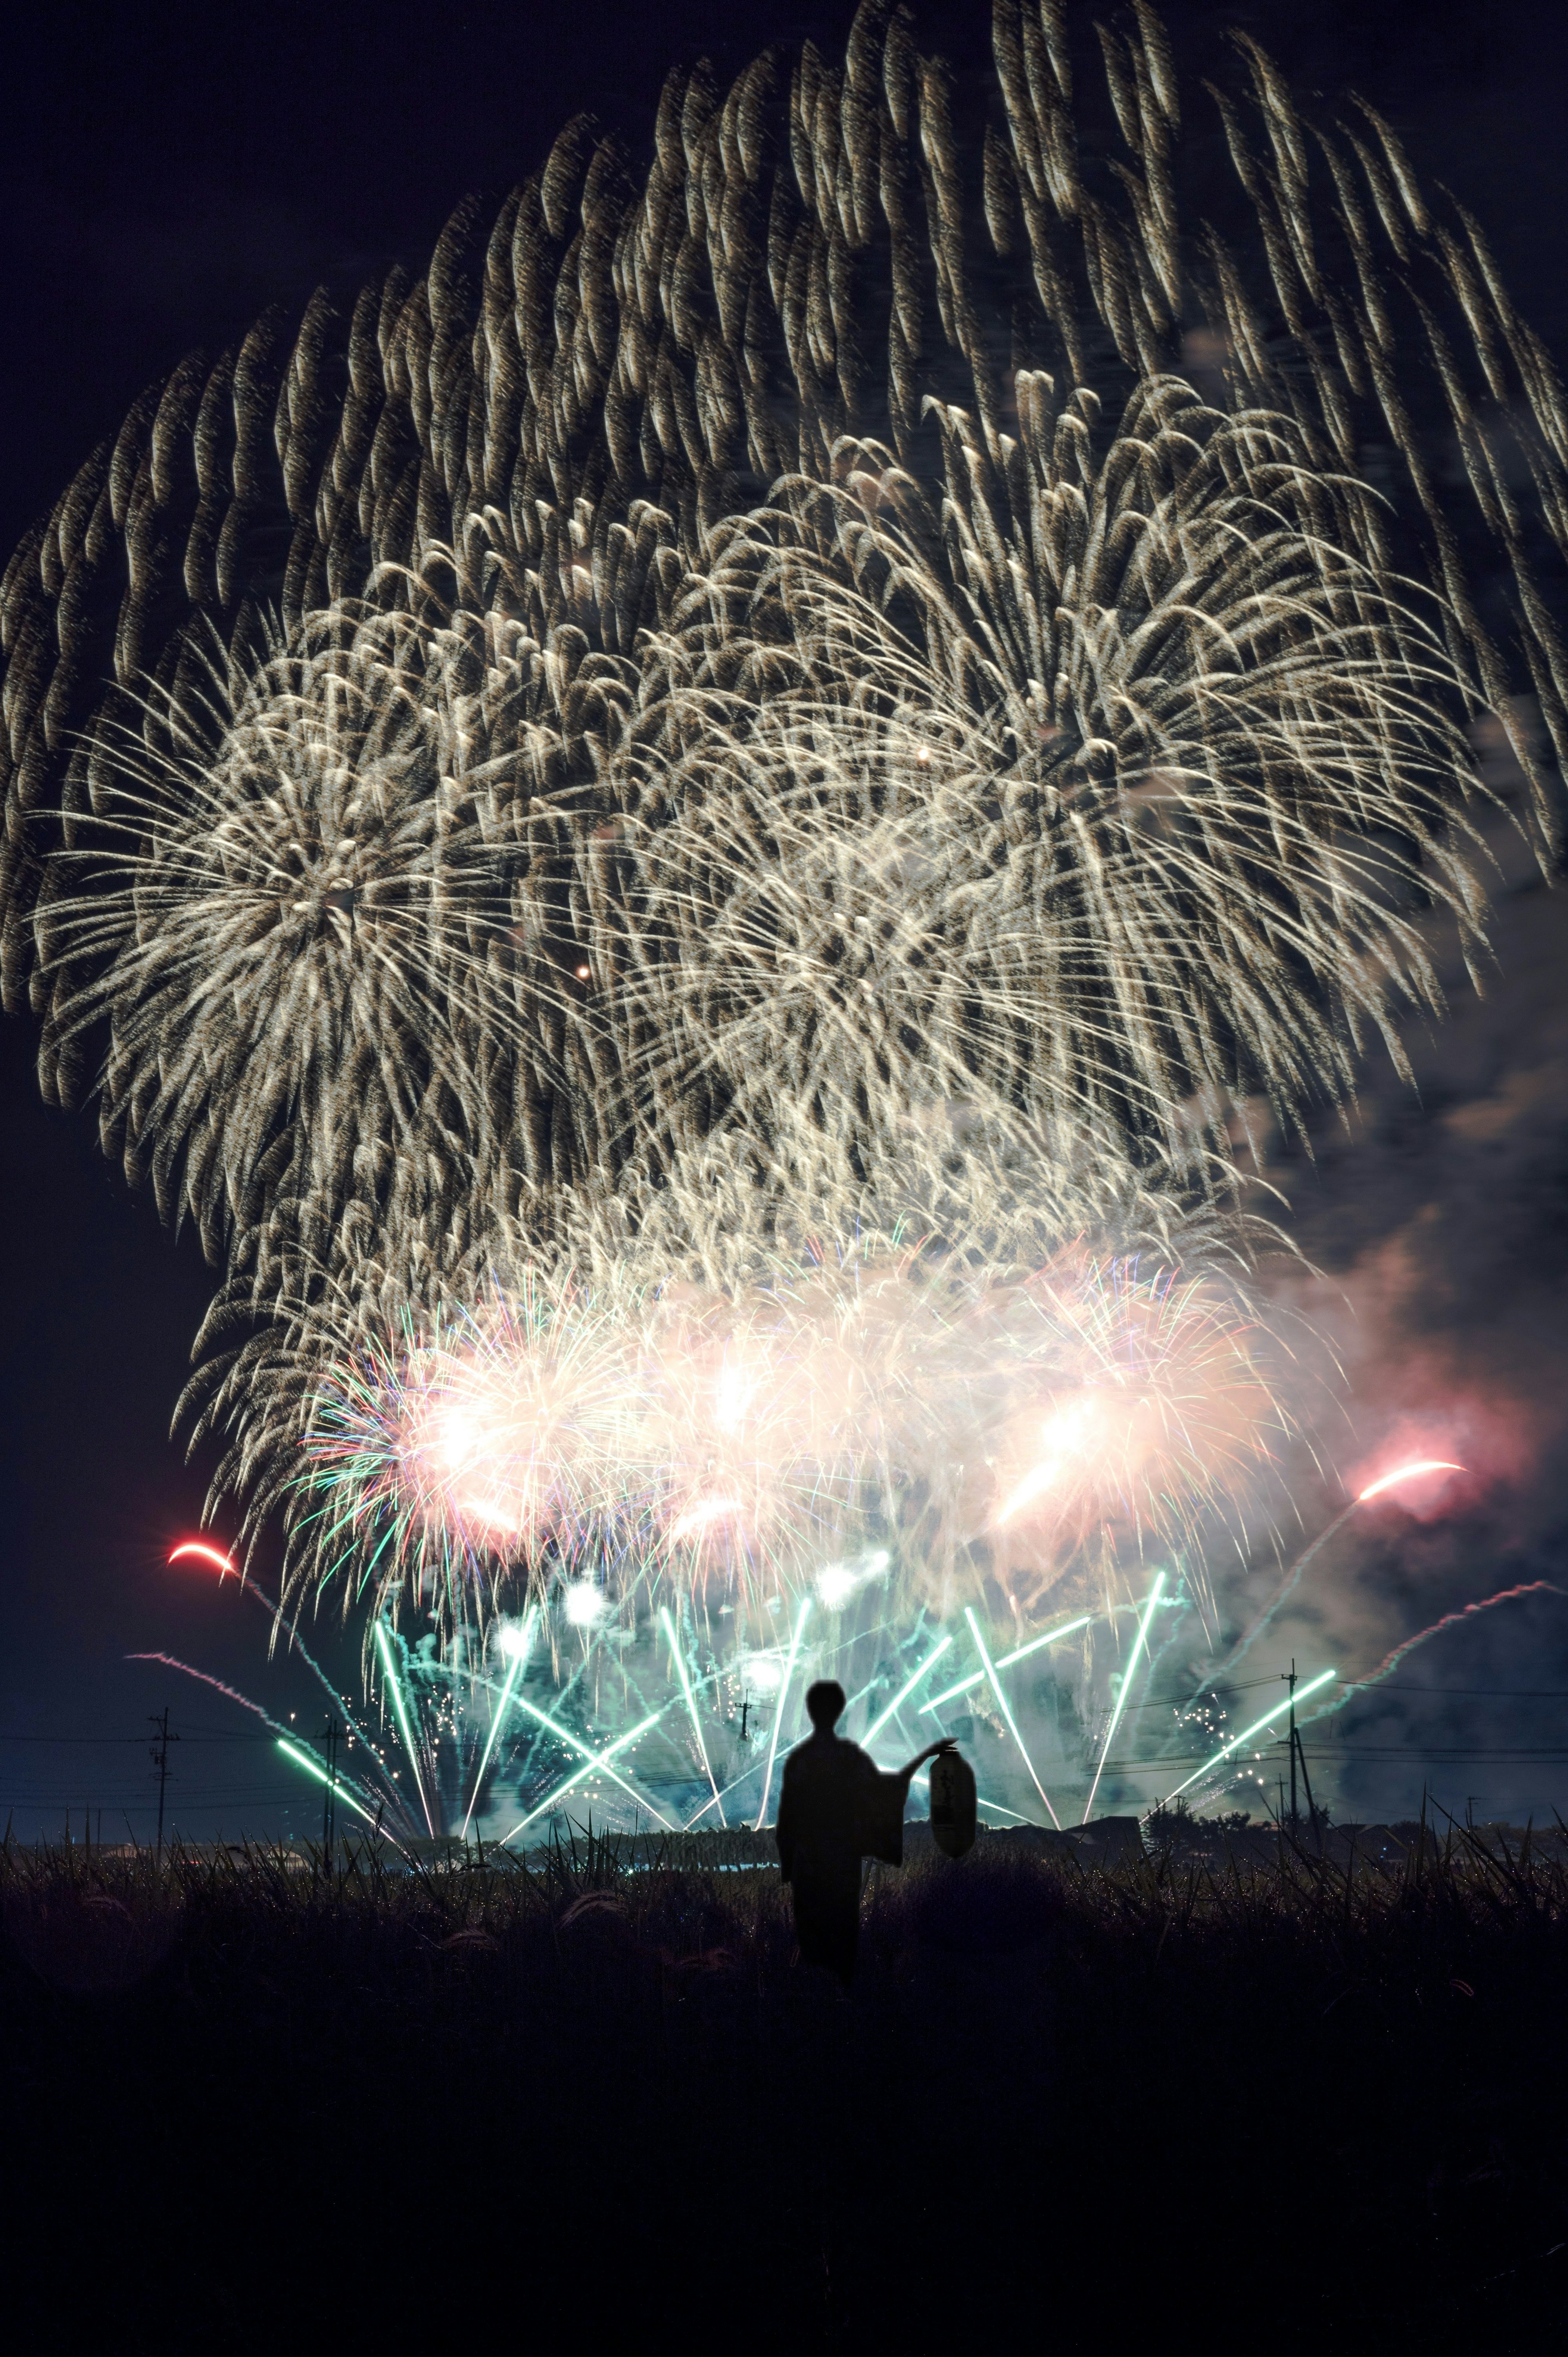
824	1704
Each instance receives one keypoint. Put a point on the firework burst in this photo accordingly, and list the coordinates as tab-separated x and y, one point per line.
1058	751
988	1430
1124	779
833	712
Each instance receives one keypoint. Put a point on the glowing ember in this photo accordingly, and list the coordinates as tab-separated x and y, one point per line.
1407	1473
199	1550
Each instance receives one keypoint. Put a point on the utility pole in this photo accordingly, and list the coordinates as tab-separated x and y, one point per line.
1311	1803
1297	1753
159	1751
328	1791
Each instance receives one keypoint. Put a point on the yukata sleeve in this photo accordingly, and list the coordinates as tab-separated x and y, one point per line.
880	1816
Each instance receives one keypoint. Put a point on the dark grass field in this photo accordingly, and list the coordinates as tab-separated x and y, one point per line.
253	2105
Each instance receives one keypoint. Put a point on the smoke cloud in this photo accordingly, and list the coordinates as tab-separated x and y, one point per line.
1435	1220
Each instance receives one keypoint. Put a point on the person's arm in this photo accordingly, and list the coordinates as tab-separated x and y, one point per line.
906	1775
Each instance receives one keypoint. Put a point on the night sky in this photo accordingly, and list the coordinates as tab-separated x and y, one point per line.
163	176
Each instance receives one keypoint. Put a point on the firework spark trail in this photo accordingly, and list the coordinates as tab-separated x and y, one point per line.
734	1786
518	1663
597	1762
285	1741
336	1783
1391	1662
1310	1687
996	1808
231	1694
1286	1589
199	1548
1125	1688
906	1689
395	1688
1005	1660
1292	1580
1005	1708
801	1620
227	1568
679	1658
1407	1473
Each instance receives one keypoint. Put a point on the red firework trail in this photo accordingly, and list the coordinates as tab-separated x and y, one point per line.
288	1734
222	1562
227	1568
1467	1612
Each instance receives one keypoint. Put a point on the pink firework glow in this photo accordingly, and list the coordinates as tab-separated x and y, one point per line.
987	1423
1402	1473
1433	1460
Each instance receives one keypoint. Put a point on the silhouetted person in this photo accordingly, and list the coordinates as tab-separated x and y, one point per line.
835	1808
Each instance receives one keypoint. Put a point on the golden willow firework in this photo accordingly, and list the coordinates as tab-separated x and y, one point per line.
526	455
1107	788
774	656
1118	778
282	931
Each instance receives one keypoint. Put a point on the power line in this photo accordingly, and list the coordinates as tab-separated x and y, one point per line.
1247	1685
1497	1693
1401	1693
186	1736
1544	1751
